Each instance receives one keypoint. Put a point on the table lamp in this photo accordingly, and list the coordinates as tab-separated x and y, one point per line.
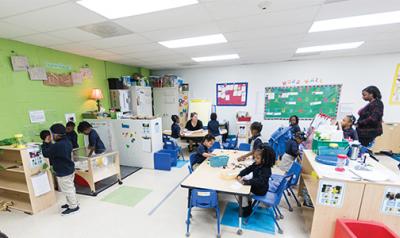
97	95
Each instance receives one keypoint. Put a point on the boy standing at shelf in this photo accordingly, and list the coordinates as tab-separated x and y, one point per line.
59	154
71	134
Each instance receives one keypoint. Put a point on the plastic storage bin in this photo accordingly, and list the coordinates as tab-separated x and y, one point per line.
174	155
162	160
318	143
219	161
362	229
326	150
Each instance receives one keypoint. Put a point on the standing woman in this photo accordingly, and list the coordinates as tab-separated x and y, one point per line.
194	124
369	124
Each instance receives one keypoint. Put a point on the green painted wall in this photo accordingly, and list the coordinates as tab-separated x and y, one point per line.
18	94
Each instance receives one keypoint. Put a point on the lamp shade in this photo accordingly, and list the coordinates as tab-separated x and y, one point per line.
97	94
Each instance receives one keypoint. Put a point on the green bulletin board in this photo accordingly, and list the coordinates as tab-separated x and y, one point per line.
303	101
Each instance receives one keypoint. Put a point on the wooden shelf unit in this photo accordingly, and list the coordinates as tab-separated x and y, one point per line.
16	184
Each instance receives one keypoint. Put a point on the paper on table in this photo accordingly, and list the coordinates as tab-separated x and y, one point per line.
236	185
40	184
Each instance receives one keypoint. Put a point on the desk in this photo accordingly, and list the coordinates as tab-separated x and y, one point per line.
96	168
194	135
207	177
362	200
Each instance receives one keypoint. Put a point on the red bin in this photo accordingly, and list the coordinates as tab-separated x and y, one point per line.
362	229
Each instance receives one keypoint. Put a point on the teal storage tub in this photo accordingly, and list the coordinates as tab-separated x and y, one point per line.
219	161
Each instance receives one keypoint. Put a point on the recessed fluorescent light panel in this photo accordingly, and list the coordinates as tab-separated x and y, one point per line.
320	48
216	58
195	41
356	21
113	9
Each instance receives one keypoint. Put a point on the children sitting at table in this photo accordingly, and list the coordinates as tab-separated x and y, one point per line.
175	129
291	151
213	127
347	126
255	141
203	151
294	124
96	145
59	155
71	134
264	160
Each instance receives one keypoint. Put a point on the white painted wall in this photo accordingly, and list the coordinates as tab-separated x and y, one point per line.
355	73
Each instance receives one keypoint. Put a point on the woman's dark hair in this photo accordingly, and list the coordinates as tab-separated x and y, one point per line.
208	137
376	93
268	155
193	114
213	116
295	117
256	126
175	118
83	126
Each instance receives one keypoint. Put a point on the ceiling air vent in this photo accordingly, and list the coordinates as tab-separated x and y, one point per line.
106	29
334	1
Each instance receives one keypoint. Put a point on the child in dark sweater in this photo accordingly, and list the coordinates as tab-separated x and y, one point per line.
71	134
175	129
59	154
203	151
292	151
347	126
261	169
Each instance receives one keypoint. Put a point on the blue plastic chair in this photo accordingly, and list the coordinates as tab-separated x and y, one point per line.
170	145
244	147
215	146
203	198
295	172
278	140
192	161
230	143
272	199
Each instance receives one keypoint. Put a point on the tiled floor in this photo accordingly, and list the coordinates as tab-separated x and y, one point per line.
102	219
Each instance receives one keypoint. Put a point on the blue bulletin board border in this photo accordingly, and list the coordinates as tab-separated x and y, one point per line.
232	105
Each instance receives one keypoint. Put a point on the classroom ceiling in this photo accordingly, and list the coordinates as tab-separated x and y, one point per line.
258	36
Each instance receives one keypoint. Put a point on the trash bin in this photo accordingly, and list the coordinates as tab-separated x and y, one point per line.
362	229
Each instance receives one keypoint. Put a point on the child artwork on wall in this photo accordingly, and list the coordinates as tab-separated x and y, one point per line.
19	63
37	73
54	79
86	73
395	92
77	77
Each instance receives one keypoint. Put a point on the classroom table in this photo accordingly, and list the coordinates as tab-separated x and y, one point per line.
194	135
363	194
207	177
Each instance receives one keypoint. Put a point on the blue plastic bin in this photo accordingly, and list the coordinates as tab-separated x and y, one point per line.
219	161
162	160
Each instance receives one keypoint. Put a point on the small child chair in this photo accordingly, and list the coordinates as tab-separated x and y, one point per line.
231	142
215	146
244	147
203	198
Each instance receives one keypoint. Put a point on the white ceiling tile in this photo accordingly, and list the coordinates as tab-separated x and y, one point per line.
297	16
178	17
8	30
13	7
118	41
58	17
356	7
225	9
129	49
206	50
182	32
149	54
74	35
41	40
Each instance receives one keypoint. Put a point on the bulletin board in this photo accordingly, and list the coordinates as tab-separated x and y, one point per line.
303	101
232	94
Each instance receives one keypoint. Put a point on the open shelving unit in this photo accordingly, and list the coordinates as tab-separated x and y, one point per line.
16	184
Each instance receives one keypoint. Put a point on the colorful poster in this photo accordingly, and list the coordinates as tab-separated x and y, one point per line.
331	193
391	201
395	92
232	94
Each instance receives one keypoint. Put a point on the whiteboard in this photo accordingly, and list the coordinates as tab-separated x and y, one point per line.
203	109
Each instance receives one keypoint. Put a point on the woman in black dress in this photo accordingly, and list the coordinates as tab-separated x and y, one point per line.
194	124
369	124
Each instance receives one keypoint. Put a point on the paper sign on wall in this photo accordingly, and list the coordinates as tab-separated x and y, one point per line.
37	116
19	63
77	78
391	201
395	92
331	193
86	73
70	117
37	73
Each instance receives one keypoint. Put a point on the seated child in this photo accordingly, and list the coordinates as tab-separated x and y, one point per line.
264	158
292	151
294	124
213	127
255	141
59	155
71	134
96	145
175	129
347	127
203	151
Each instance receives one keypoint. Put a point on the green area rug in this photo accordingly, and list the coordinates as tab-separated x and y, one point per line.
127	196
